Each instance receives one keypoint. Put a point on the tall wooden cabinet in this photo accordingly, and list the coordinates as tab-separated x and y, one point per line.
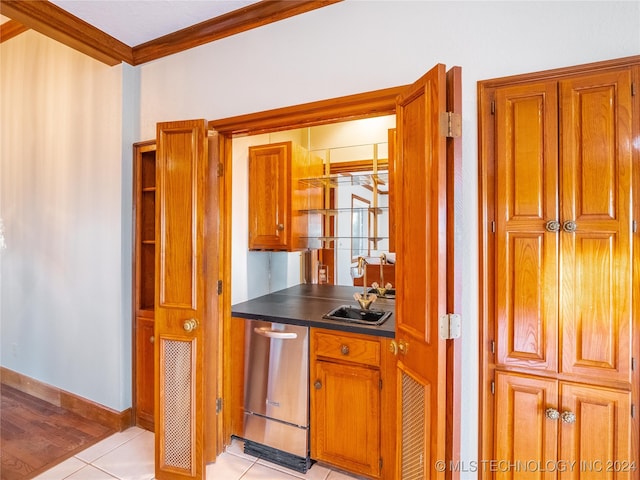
144	181
560	228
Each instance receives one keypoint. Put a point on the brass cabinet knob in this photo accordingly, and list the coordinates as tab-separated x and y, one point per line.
344	349
393	347
152	339
317	385
280	226
403	347
190	325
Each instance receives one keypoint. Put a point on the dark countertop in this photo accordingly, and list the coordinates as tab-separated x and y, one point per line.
306	304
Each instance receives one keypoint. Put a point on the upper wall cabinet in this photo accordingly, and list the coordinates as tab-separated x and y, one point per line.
277	198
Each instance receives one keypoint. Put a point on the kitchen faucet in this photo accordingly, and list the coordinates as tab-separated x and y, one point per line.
362	271
358	271
383	261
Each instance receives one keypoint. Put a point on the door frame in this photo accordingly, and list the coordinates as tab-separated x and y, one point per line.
352	107
486	214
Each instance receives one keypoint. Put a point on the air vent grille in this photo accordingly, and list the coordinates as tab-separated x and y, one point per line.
177	408
413	429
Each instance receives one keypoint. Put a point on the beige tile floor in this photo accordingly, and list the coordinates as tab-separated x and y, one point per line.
128	455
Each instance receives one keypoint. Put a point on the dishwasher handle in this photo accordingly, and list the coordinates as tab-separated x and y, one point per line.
267	332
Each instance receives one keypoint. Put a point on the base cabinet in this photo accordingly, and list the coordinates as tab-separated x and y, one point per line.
144	339
562	429
346	396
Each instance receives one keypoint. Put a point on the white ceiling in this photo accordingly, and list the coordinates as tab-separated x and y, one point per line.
134	22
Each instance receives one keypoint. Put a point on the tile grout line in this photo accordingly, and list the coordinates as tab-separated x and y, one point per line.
75	471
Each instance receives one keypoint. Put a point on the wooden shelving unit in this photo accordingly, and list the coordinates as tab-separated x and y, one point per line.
144	215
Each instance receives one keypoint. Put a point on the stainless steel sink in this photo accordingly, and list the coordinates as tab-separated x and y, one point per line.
349	313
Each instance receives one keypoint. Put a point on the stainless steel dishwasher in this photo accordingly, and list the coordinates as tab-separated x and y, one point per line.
276	403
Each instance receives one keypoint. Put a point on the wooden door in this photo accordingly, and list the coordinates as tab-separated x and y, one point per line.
596	273
186	307
421	298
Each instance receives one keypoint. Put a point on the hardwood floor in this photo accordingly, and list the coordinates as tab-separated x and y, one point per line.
36	435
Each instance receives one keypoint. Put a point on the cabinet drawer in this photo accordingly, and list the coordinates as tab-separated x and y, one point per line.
347	348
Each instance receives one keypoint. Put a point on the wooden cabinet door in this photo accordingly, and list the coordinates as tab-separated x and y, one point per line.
523	432
595	433
595	294
144	372
269	196
345	404
425	426
526	244
557	430
186	305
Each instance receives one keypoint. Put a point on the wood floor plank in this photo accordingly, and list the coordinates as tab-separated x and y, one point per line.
36	435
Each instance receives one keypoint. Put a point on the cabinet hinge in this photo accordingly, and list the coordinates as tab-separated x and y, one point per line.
220	169
633	363
493	107
493	227
450	124
218	405
380	464
450	326
219	287
493	387
380	384
634	226
633	410
493	347
633	89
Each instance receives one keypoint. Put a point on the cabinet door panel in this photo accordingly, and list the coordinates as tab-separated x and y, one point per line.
523	433
268	196
598	441
144	373
595	297
346	417
526	252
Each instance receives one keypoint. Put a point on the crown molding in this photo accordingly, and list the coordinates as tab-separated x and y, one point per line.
56	23
237	21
